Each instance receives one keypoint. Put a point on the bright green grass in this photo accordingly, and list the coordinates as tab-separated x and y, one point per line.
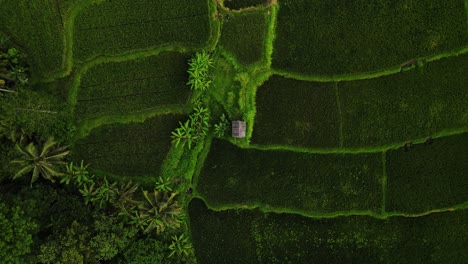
428	177
318	37
36	27
286	179
405	106
125	87
297	113
111	28
249	236
243	35
133	149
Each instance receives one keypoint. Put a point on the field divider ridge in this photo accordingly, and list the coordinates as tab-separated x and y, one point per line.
441	134
271	34
364	75
200	162
85	127
340	115
384	180
73	94
326	215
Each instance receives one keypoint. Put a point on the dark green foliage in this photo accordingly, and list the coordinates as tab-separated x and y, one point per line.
243	35
291	180
29	112
222	127
158	212
80	244
296	113
118	88
427	177
134	149
345	37
42	160
252	237
238	4
181	248
405	106
37	27
164	184
13	69
144	251
16	236
109	28
7	151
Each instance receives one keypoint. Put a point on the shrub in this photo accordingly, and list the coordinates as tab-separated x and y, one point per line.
16	237
198	71
222	127
144	251
194	130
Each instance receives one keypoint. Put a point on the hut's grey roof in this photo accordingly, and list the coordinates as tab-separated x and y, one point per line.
238	129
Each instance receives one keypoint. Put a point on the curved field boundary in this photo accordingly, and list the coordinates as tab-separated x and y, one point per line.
277	210
69	23
444	133
85	127
72	98
367	75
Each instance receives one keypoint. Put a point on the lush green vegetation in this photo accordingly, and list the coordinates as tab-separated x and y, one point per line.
141	25
428	177
290	180
243	35
198	71
135	149
118	88
343	37
114	115
296	113
238	4
33	24
423	103
242	236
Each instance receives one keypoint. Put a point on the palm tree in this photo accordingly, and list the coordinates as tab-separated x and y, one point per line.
40	160
123	198
159	211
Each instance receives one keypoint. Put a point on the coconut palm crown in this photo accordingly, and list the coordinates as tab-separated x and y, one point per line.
159	211
41	160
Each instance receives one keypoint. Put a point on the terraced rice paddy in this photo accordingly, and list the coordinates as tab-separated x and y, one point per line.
349	156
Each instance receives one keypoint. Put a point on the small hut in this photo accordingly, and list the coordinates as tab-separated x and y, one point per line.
238	129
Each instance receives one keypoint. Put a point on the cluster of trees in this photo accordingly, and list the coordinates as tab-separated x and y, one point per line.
55	211
13	69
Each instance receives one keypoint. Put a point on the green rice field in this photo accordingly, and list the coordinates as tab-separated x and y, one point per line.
356	129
